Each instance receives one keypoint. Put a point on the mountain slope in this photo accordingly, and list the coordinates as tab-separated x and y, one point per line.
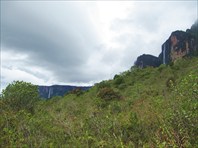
150	107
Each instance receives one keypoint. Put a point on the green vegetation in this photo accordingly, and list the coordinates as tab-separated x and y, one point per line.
151	107
20	95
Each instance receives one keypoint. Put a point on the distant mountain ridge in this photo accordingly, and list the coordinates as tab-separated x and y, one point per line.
48	92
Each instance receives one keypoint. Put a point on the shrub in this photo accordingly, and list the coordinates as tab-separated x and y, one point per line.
116	76
179	129
77	91
134	131
20	95
118	80
170	82
171	64
116	107
122	86
161	67
102	84
175	67
108	94
188	87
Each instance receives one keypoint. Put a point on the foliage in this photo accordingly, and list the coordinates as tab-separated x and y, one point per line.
181	128
161	67
77	91
118	80
170	82
134	131
20	95
102	84
108	94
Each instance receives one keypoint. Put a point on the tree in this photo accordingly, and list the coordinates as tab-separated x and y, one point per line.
20	95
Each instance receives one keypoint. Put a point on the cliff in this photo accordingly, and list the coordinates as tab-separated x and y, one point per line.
180	44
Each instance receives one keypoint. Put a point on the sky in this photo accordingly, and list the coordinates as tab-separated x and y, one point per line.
84	42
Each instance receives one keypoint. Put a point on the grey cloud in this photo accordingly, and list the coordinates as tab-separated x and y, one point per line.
61	46
60	39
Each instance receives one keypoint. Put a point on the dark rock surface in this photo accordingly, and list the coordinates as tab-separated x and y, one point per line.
146	60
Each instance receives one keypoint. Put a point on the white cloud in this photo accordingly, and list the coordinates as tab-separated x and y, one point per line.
16	66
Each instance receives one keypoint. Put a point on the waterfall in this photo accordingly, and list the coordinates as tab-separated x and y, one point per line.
164	53
49	93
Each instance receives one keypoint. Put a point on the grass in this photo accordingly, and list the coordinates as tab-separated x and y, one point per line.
151	107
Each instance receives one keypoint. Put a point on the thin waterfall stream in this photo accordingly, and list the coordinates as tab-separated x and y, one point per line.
49	93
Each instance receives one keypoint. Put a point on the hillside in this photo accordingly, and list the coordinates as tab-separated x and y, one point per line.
150	107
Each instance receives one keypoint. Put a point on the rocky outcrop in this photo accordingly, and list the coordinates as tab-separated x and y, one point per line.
178	45
194	30
58	90
146	60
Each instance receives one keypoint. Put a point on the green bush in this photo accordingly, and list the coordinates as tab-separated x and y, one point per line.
77	91
188	87
122	86
116	76
134	131
179	129
108	94
118	80
170	82
20	95
161	67
102	84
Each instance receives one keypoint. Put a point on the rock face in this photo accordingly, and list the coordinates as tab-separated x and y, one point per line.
178	45
194	30
146	60
57	90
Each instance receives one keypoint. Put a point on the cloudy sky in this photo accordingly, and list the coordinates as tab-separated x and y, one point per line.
80	43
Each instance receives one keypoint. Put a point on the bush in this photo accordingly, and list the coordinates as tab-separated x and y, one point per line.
116	76
188	87
179	129
108	94
118	80
170	82
134	131
102	84
20	95
122	86
77	91
161	67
